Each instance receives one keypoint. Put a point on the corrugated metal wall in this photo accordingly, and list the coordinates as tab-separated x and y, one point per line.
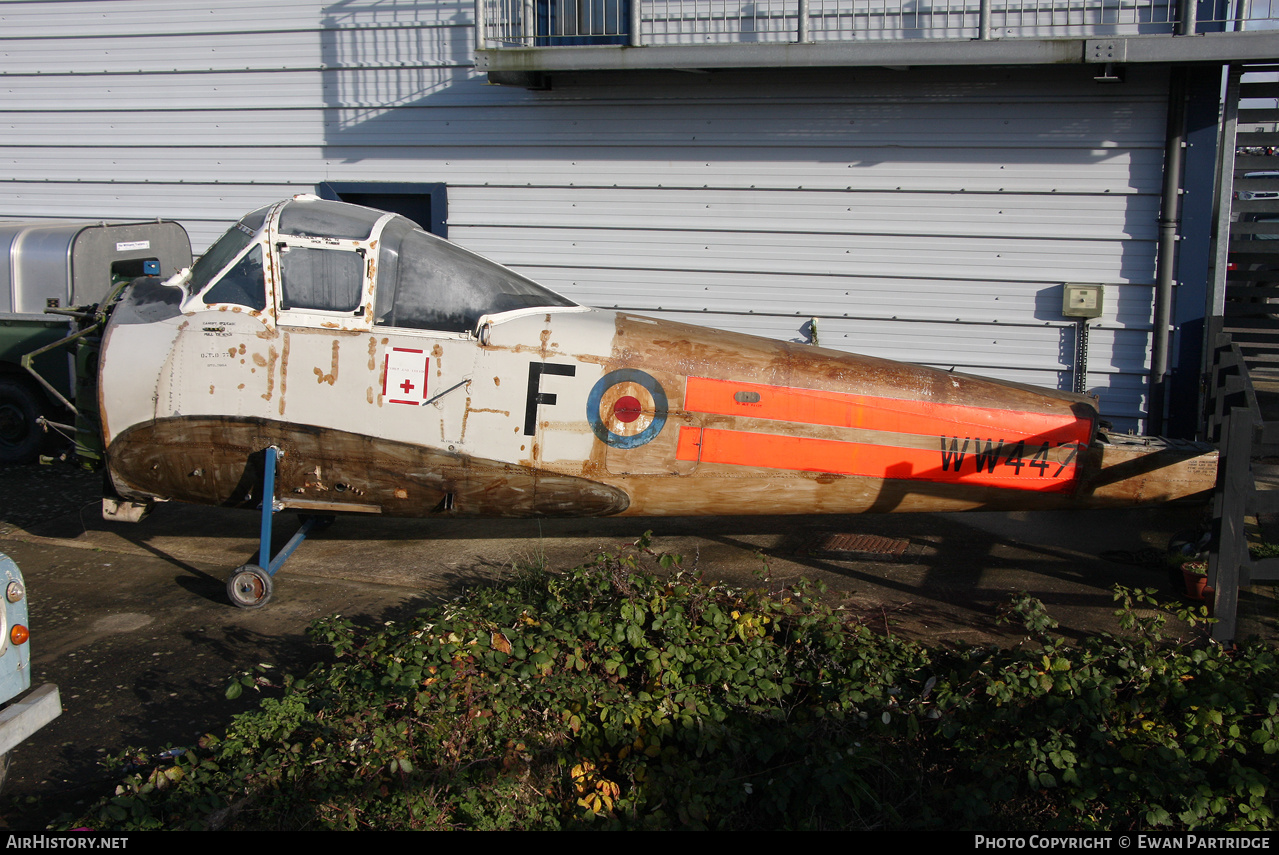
926	215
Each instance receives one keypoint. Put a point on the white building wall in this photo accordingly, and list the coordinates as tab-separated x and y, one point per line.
925	215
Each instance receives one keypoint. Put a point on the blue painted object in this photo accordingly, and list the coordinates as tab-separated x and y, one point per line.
25	715
15	659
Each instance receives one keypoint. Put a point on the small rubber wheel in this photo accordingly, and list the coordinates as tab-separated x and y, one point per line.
249	587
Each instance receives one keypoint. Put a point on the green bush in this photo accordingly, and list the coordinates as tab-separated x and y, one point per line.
609	697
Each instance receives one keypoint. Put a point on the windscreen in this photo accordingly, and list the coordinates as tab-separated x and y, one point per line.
428	283
225	248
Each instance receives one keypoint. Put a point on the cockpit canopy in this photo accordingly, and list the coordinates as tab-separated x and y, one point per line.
337	263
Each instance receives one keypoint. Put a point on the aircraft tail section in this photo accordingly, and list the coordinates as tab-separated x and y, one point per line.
1135	470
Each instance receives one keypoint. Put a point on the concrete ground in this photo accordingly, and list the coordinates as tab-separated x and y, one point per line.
132	621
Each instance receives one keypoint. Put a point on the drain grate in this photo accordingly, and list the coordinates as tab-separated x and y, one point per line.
865	547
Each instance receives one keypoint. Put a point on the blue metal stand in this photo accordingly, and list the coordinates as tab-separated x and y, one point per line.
250	586
263	559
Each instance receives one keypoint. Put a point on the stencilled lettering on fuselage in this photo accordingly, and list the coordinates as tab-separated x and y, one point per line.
535	394
978	455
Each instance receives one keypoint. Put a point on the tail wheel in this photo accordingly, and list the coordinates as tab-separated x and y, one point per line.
249	587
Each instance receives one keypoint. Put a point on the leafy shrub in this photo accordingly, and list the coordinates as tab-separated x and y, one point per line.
610	697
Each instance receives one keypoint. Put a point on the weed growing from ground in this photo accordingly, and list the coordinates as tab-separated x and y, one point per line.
610	697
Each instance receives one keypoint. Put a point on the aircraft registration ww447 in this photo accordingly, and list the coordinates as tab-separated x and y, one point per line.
329	358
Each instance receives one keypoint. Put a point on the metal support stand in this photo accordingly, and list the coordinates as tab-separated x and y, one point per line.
250	586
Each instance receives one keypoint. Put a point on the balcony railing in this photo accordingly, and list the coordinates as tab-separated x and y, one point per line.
556	23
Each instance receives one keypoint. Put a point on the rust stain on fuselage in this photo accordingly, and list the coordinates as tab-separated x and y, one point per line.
284	370
466	415
545	336
269	364
332	376
468	409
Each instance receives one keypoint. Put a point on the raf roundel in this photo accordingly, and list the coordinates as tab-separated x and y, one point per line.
626	408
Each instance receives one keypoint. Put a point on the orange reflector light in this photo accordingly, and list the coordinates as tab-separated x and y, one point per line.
19	634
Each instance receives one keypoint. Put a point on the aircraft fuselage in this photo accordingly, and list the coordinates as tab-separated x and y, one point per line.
564	410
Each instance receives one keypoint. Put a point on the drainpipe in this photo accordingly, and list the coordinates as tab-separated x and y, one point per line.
637	38
1188	13
1166	258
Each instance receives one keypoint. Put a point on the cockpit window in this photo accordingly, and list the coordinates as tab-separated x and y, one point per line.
427	283
327	280
243	284
220	254
255	219
316	218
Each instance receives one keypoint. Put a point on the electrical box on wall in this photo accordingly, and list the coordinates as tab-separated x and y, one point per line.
1081	301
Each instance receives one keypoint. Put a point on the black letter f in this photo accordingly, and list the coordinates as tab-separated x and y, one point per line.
536	396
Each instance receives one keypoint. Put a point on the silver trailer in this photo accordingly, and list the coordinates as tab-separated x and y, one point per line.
57	266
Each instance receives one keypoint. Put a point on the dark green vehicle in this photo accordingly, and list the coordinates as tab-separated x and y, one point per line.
55	274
